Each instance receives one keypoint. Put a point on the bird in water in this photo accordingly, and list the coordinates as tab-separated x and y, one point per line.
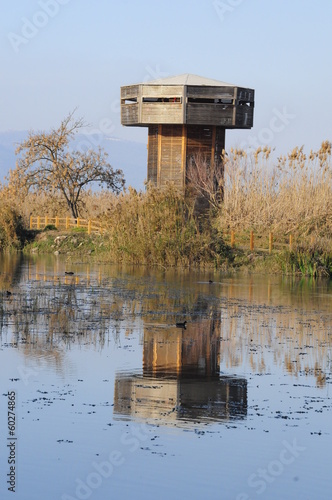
69	273
8	293
181	324
210	281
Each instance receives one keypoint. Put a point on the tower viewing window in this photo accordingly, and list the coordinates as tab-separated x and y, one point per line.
162	99
131	100
205	100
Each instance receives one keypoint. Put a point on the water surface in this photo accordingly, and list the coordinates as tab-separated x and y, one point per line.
114	401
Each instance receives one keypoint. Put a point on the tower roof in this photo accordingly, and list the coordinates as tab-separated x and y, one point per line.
188	79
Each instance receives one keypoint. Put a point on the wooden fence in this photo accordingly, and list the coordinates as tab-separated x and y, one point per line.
40	222
287	241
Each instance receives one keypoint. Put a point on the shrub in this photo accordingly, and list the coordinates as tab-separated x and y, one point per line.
158	227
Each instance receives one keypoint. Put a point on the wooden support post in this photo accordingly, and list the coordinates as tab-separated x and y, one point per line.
67	222
251	241
57	222
89	226
38	222
46	220
30	221
270	242
160	129
232	239
78	222
290	242
213	148
184	156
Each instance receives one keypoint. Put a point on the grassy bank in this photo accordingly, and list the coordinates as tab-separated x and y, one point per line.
78	245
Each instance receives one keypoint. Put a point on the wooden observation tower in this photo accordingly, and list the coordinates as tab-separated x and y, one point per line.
186	115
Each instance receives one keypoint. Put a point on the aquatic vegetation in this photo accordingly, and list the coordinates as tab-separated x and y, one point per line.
312	261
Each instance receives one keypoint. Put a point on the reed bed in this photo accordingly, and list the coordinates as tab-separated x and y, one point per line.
293	196
159	228
288	195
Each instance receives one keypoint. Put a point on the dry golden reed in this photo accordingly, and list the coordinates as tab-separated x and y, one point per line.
290	195
294	196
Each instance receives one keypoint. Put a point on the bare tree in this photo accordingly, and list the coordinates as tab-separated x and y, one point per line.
47	164
206	180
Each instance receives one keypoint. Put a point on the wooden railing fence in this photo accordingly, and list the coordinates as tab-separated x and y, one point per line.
286	242
40	222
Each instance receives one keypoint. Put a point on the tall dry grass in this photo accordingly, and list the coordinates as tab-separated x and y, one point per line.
159	227
292	196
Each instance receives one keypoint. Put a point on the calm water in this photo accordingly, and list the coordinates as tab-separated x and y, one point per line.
112	400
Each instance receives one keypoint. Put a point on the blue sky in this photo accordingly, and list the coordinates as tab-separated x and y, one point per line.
60	54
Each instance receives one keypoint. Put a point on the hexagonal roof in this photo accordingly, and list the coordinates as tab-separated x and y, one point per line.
188	79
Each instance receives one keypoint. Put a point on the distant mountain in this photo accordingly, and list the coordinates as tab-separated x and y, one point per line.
129	156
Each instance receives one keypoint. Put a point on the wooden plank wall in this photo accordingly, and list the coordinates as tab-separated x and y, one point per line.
247	95
219	144
162	112
170	148
199	141
129	114
129	91
170	162
153	154
244	116
210	92
161	90
209	114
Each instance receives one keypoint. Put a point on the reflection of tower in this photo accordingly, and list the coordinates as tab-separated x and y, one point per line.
194	351
181	378
186	115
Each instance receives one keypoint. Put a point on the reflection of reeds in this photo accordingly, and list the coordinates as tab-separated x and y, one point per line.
264	323
260	337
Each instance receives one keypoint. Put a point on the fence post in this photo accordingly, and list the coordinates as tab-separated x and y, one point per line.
232	239
67	222
89	226
38	222
46	220
57	222
78	222
30	221
290	242
270	242
251	241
